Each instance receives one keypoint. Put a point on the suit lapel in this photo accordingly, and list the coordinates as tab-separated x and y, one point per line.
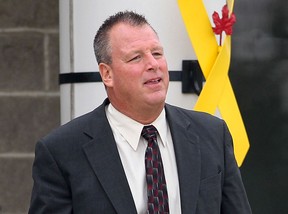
104	158
187	153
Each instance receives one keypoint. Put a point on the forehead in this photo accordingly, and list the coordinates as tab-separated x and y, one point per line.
123	33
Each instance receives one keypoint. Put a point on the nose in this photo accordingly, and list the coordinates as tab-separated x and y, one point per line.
151	62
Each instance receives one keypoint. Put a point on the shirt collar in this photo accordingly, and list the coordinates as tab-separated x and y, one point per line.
131	130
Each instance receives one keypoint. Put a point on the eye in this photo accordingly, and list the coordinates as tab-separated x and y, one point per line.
157	54
135	58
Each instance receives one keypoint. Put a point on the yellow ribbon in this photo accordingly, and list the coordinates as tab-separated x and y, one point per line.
214	62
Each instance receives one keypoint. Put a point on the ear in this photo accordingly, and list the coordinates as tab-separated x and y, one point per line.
106	74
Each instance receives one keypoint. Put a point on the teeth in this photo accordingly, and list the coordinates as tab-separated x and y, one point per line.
154	81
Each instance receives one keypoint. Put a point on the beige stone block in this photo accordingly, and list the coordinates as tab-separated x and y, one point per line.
29	13
15	184
22	61
26	119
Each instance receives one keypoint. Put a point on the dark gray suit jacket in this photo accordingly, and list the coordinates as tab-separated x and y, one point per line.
77	168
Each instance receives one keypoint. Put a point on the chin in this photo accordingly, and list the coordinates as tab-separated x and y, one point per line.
157	100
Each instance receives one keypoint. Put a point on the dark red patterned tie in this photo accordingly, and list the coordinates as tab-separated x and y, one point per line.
156	184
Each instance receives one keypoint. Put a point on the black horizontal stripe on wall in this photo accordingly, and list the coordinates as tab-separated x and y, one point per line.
88	77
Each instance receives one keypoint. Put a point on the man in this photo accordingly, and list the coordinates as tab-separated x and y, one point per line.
99	163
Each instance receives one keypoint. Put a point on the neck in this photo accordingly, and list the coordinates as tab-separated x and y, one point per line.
144	115
146	118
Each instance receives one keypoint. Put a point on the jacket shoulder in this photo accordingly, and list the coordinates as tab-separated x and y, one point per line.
74	130
193	116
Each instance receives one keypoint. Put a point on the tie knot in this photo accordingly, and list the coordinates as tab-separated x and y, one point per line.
149	132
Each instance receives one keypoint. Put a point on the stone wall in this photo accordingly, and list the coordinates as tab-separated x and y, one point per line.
29	92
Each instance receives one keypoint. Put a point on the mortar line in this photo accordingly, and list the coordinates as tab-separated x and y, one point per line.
46	62
17	155
29	94
27	29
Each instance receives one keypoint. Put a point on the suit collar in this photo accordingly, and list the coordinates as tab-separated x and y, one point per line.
105	161
187	153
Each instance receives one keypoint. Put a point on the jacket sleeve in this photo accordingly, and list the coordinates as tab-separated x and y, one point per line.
50	193
234	198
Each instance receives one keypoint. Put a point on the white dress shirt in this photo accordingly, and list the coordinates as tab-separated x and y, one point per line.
132	147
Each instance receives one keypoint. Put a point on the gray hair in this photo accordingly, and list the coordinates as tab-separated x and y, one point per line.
102	47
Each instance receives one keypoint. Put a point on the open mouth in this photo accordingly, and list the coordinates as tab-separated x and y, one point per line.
153	81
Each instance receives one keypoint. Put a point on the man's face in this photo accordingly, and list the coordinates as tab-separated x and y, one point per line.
139	73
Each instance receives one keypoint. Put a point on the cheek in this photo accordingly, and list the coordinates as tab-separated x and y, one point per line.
132	72
164	69
127	78
163	64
